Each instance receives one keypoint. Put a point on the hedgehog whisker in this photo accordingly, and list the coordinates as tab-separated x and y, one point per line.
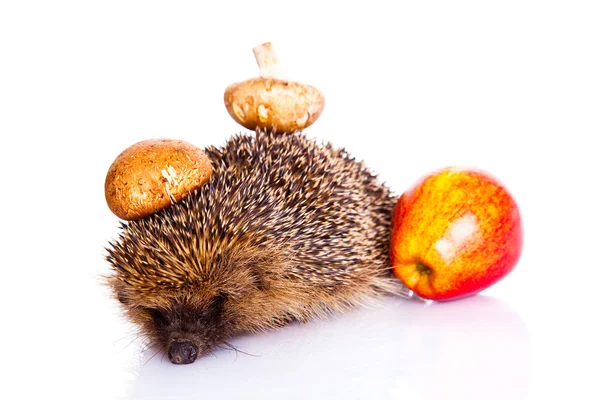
136	334
138	337
147	346
154	355
232	347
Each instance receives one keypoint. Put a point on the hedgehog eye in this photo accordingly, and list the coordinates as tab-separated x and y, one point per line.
122	297
219	301
157	316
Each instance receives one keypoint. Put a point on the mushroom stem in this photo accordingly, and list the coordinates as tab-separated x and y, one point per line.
267	60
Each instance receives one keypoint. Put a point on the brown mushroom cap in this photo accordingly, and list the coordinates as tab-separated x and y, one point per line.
152	174
274	104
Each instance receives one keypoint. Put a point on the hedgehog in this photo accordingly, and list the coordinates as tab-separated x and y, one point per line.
286	229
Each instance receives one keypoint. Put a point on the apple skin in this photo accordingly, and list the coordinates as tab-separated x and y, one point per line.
455	233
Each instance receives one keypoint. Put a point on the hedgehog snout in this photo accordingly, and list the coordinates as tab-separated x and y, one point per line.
182	352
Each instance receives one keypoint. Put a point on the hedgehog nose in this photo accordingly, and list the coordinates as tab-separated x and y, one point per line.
182	352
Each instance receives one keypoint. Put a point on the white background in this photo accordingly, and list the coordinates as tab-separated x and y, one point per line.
512	87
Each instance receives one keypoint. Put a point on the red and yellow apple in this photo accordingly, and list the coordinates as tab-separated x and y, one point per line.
455	233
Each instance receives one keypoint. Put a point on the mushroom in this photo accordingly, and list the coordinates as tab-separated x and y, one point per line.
153	174
271	103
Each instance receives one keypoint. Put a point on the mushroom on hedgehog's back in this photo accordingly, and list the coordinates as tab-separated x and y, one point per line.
270	103
152	174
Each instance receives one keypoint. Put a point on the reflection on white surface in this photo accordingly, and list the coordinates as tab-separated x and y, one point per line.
471	348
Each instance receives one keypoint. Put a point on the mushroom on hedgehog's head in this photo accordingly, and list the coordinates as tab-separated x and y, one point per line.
154	174
270	103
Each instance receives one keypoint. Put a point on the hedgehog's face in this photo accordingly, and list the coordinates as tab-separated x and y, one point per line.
187	311
187	330
186	323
